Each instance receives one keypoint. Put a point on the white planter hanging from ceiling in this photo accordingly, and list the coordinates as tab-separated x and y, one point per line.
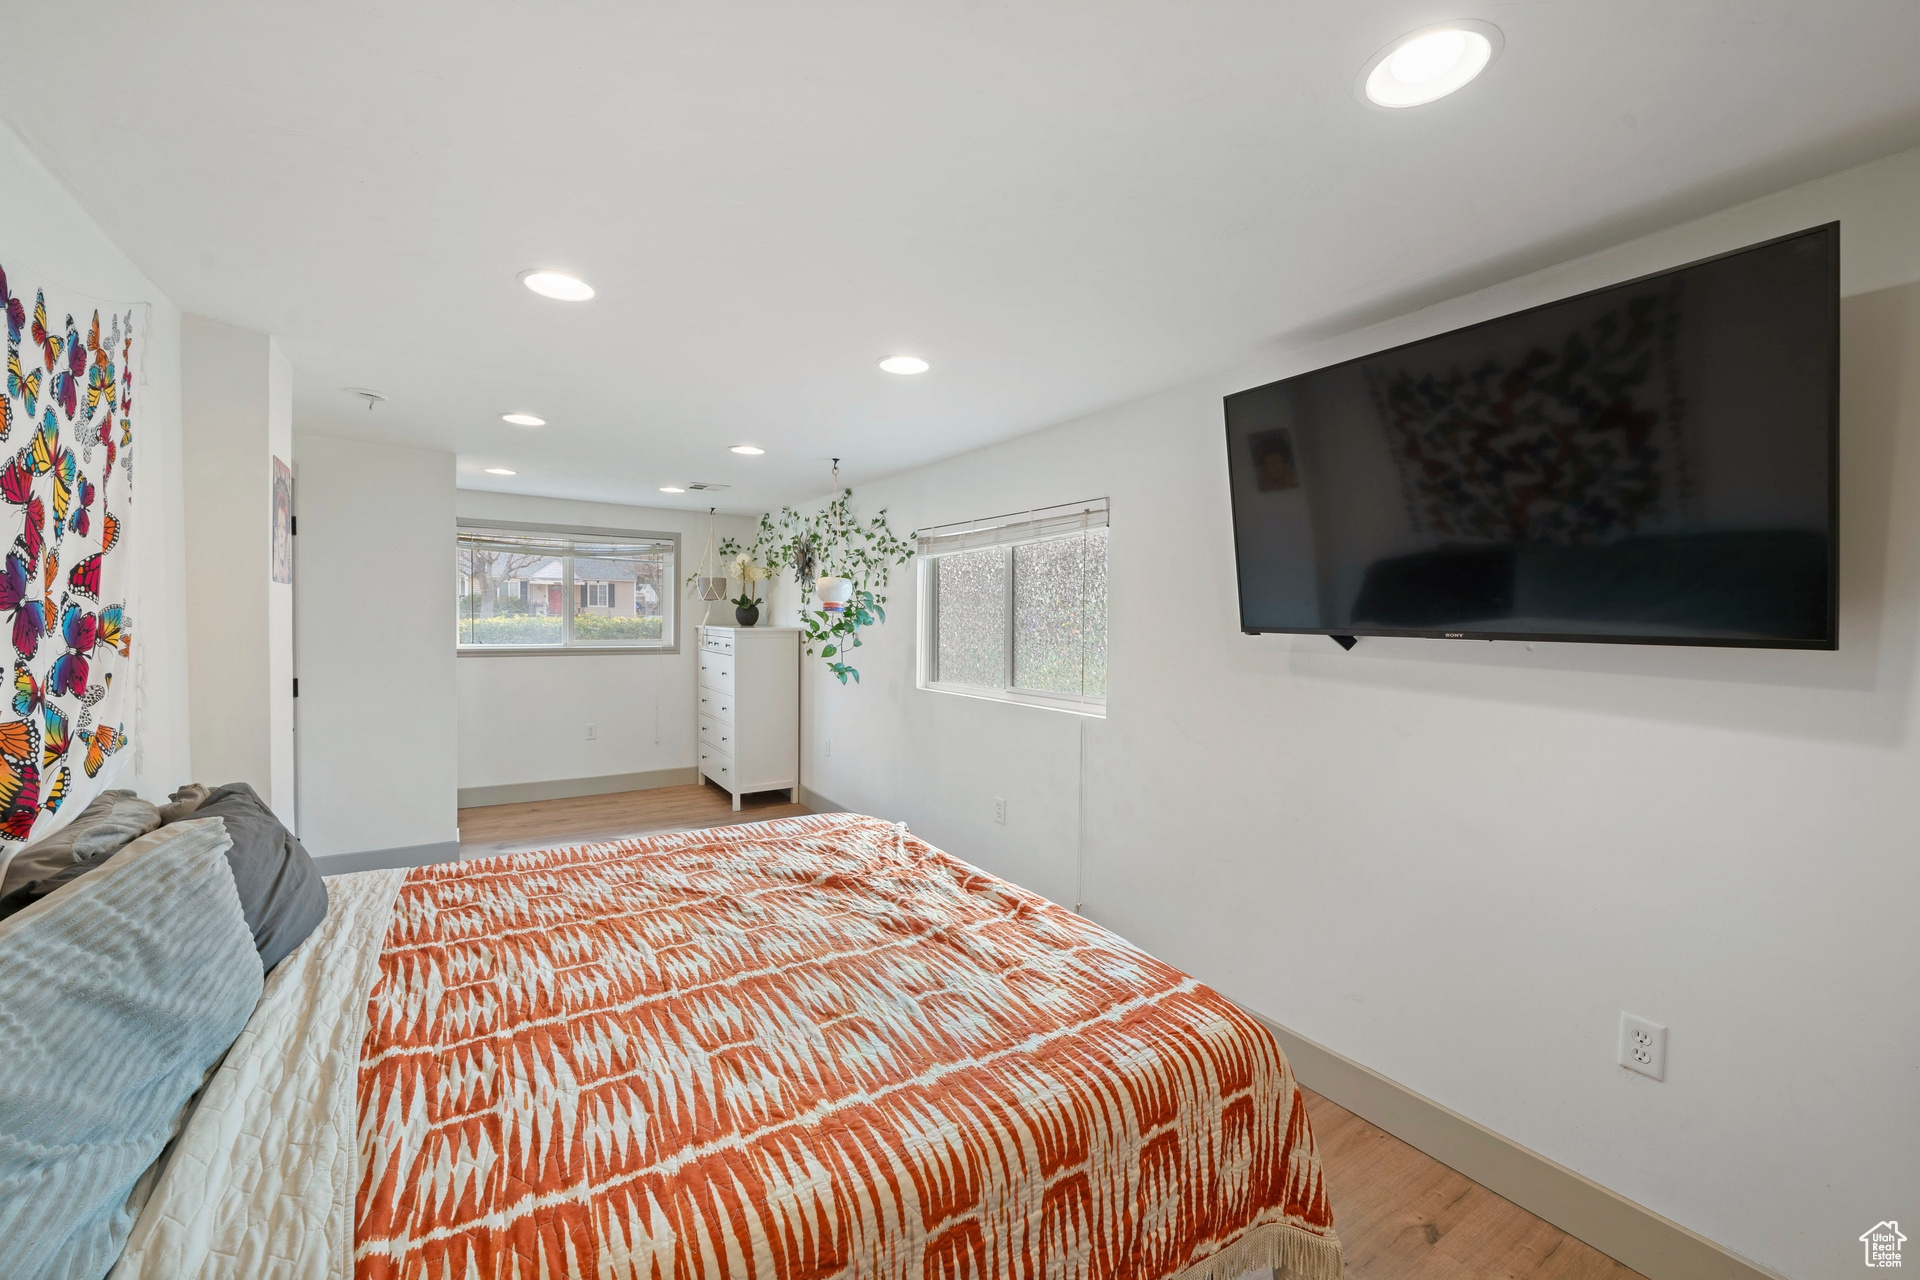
833	592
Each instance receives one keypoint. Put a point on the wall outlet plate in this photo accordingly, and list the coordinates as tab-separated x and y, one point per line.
1643	1046
1000	810
593	732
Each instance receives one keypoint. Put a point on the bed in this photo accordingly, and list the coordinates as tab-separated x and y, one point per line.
814	1047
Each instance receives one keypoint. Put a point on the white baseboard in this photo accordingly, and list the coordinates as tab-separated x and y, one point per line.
569	788
819	803
413	855
1657	1247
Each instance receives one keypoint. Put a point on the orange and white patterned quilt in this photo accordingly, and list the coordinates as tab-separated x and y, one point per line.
813	1048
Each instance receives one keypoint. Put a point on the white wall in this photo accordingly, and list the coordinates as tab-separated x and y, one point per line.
236	409
44	229
373	584
523	717
1458	863
280	668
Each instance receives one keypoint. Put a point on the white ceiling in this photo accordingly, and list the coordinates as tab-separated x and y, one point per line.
1061	205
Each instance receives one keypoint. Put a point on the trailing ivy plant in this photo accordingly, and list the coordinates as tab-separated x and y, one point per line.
831	543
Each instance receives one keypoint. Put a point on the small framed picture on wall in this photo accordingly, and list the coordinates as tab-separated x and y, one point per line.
282	522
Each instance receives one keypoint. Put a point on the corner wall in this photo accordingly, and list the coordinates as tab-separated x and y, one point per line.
1458	863
43	227
373	581
237	416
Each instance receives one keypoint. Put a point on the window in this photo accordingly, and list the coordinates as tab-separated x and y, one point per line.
535	587
1015	607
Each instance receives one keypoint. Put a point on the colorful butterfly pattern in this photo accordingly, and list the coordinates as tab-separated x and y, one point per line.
16	311
21	386
43	451
16	482
114	632
58	791
19	778
66	474
101	743
84	578
66	393
101	379
80	630
27	610
50	345
33	531
27	696
82	508
59	737
69	392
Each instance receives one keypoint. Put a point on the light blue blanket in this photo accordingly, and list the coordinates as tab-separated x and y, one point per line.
118	994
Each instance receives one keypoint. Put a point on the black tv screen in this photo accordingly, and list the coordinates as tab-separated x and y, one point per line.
1654	463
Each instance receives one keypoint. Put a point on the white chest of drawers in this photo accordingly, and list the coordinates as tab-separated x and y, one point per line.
748	702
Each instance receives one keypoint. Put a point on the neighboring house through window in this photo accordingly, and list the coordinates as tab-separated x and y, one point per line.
539	587
1015	607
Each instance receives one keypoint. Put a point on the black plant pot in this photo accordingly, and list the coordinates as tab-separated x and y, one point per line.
748	616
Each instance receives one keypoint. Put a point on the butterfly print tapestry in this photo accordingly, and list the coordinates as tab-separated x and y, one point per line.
66	499
809	1048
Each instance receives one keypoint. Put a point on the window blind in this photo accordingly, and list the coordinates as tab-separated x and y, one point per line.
559	544
1019	526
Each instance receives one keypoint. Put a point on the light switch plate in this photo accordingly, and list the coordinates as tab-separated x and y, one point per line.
1643	1046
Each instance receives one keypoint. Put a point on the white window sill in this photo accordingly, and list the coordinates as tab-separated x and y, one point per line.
1092	708
556	650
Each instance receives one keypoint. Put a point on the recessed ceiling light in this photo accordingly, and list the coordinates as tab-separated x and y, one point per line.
667	488
557	284
751	450
1430	63
500	471
523	420
904	364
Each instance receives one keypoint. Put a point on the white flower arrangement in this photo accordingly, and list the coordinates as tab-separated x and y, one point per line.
743	569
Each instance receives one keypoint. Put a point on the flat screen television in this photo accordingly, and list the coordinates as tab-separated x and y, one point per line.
1651	463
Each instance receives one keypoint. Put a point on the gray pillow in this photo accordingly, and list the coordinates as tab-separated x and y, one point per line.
118	995
103	828
182	803
280	888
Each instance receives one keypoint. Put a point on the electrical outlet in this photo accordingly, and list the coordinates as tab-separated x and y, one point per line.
1000	810
829	746
1643	1046
593	732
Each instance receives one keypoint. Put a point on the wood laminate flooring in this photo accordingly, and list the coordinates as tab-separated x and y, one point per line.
1401	1214
543	824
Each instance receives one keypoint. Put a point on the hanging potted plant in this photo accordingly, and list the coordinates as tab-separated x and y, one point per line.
841	567
709	581
833	592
